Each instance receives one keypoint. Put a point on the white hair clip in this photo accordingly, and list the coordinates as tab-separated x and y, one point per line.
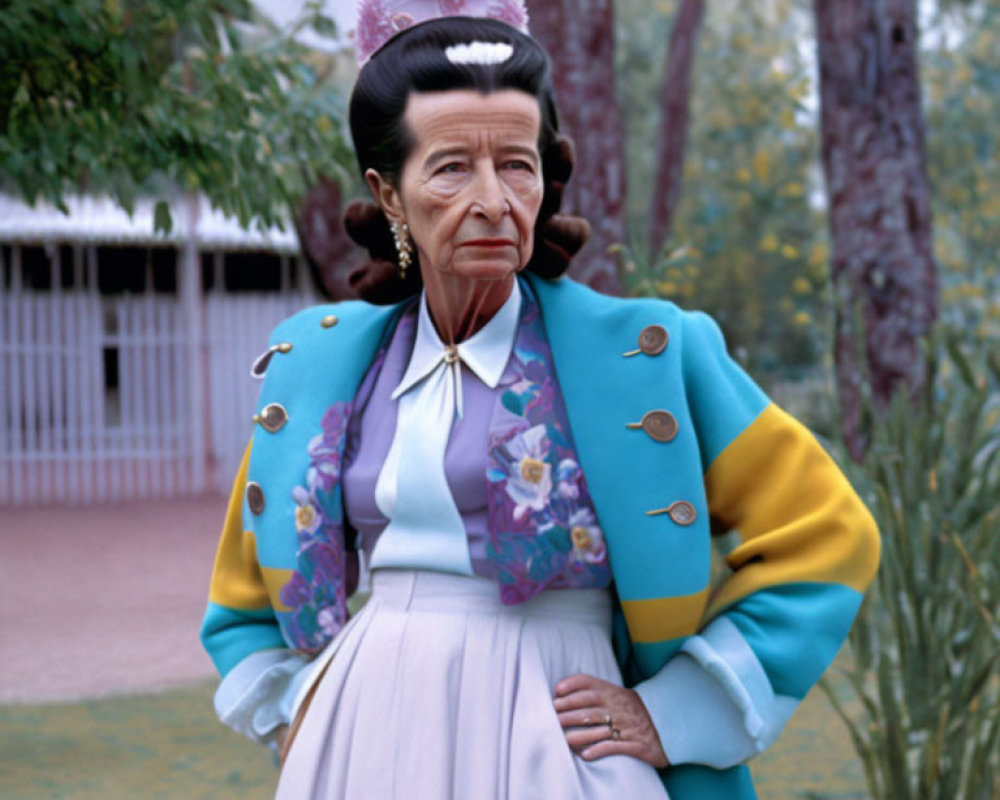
484	53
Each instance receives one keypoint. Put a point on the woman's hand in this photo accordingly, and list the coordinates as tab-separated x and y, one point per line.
606	719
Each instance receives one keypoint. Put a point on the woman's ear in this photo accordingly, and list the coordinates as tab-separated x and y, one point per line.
386	195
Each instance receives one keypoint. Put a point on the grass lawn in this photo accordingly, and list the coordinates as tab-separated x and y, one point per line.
169	746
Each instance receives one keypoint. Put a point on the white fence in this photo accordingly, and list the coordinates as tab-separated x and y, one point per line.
69	436
96	401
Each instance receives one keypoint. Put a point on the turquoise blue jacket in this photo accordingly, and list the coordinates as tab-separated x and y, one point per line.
808	547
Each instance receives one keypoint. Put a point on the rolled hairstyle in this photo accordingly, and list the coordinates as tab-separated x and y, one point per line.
415	61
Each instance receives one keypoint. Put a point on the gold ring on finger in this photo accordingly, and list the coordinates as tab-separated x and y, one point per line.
616	734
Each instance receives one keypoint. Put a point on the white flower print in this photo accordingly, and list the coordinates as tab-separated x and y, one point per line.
307	516
588	541
530	479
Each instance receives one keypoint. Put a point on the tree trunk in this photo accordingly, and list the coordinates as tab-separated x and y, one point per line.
329	252
883	268
675	111
579	36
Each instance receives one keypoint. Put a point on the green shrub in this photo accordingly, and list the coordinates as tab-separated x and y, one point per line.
922	660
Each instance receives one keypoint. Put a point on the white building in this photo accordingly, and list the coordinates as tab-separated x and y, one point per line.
125	356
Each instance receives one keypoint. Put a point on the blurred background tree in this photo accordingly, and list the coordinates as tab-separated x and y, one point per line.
923	661
579	37
747	239
675	115
879	205
151	96
961	73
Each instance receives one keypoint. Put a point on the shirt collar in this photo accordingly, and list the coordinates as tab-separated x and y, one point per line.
486	352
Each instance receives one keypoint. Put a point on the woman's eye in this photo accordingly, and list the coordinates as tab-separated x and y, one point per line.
518	164
451	168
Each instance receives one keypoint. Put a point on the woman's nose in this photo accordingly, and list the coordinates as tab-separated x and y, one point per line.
490	202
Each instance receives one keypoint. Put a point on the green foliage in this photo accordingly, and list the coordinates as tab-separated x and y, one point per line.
961	76
748	242
924	654
130	96
923	661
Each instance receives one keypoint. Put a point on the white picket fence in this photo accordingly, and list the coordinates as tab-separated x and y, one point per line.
66	437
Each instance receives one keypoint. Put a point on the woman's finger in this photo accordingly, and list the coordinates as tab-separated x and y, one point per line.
580	738
592	715
577	698
610	747
576	683
585	698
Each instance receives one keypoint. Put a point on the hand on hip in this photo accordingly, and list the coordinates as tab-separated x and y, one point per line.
603	719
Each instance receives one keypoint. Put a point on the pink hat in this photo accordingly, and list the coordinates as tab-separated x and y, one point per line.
380	20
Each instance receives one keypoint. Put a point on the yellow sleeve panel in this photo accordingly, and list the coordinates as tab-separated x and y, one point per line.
237	581
664	618
799	519
274	580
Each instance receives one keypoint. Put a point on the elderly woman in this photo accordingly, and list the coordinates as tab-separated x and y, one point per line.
529	470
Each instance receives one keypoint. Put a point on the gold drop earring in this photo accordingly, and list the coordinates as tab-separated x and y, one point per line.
404	247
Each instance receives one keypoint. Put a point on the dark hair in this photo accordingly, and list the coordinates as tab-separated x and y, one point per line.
415	61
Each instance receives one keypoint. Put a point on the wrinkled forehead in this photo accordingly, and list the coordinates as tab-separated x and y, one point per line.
467	117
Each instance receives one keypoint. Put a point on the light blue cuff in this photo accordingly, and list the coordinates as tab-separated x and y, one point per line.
256	696
712	703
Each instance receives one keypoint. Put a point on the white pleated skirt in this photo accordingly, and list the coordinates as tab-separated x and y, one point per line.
436	690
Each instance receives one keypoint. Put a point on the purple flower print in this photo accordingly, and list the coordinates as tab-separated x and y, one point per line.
316	592
326	449
568	475
544	533
315	596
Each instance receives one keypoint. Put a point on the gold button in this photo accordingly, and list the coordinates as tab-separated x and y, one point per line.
255	497
659	425
653	340
681	512
259	366
272	417
329	321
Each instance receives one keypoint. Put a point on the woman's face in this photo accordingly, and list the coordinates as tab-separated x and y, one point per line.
471	187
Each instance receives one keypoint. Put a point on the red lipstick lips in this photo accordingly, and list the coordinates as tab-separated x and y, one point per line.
488	243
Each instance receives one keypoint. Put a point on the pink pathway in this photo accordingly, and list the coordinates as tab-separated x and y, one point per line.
102	600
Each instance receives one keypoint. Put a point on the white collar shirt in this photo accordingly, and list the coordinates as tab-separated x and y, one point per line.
425	528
